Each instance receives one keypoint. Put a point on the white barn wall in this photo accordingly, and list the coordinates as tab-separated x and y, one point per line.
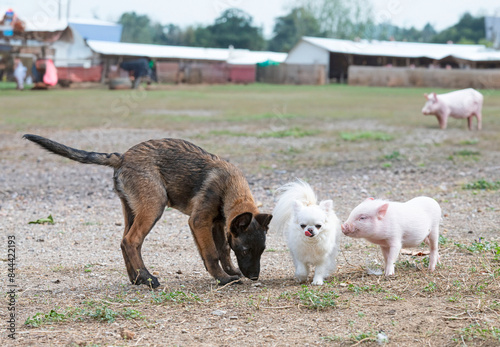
308	54
71	50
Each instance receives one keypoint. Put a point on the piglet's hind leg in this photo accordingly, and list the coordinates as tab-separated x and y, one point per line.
433	242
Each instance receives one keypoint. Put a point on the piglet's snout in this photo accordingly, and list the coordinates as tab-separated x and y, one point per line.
345	228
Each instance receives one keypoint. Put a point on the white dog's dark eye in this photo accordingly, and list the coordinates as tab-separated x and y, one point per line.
318	226
303	226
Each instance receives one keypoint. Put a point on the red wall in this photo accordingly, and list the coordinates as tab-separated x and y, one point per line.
242	73
80	74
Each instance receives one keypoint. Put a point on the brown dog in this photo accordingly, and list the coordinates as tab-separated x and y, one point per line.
176	173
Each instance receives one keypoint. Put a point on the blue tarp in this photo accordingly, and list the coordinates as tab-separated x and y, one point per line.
111	33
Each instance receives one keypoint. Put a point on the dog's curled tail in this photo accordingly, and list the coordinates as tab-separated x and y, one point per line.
107	159
288	194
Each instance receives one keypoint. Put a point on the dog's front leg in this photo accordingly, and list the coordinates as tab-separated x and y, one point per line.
223	249
301	271
201	227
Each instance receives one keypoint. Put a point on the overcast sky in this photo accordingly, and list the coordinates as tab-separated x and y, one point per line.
406	13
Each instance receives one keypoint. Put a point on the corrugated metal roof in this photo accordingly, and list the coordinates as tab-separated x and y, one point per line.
229	55
98	32
92	21
44	24
158	51
405	49
254	57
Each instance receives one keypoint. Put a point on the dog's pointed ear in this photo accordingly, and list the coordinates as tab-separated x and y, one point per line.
297	206
240	223
264	219
326	205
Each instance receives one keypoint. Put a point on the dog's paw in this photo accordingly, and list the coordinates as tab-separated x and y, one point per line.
233	272
144	277
317	282
301	279
230	279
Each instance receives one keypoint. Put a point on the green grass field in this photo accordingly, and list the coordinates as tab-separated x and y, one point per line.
256	104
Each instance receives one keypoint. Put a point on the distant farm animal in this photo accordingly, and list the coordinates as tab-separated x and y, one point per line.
311	230
176	173
465	103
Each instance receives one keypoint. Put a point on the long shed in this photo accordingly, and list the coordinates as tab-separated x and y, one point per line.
338	55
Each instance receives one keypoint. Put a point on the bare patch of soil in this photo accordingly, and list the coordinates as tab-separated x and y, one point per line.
73	289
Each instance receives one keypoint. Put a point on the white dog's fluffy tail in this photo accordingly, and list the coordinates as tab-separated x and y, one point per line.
288	194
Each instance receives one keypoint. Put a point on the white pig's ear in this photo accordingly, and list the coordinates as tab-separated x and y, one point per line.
326	205
297	206
370	198
435	96
382	210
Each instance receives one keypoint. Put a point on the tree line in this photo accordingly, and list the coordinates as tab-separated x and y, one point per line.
319	18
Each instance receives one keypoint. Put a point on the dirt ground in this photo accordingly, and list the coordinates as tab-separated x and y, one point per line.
72	287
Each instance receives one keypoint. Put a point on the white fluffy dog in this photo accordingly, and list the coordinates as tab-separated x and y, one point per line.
311	231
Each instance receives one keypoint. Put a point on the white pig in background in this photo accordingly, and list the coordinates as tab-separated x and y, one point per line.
465	103
393	225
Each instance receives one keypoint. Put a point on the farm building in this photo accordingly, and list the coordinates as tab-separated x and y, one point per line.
492	26
177	64
90	51
63	42
337	56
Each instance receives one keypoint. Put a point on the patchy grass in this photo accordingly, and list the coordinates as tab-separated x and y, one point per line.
478	332
99	311
177	296
293	132
366	135
469	142
48	220
483	185
316	299
228	133
467	153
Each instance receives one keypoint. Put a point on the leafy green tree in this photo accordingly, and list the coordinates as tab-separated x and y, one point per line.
428	32
469	29
290	28
343	19
234	27
136	28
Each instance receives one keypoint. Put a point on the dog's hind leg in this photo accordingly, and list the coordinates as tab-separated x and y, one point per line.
223	249
143	203
131	245
128	215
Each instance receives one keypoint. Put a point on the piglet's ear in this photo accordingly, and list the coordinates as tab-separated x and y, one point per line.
382	210
370	198
435	96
